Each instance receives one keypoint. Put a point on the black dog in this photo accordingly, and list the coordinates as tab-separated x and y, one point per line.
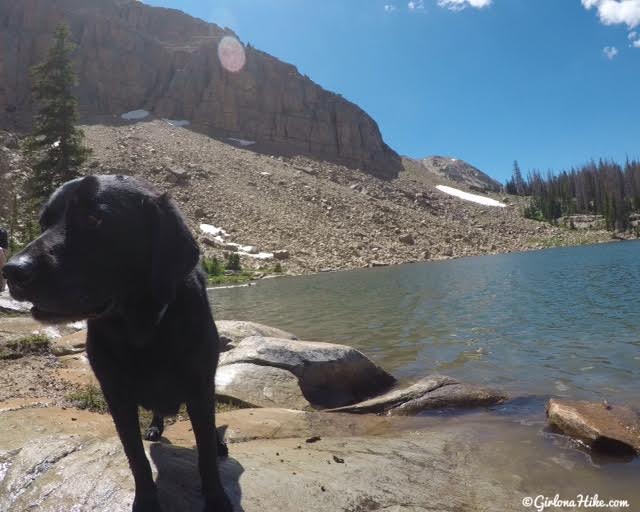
117	253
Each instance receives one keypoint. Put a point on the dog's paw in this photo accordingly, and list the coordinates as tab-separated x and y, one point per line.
153	434
220	505
223	450
146	504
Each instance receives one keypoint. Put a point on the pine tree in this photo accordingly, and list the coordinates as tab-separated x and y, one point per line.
518	180
56	144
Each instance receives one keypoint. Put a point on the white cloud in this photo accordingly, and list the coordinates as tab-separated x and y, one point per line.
389	8
458	5
634	39
415	5
632	36
636	43
610	52
614	12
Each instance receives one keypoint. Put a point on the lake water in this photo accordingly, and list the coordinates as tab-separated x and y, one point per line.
560	322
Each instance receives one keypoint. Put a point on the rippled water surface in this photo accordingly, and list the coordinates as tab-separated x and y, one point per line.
563	321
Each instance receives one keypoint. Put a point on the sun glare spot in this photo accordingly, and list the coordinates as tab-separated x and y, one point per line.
231	54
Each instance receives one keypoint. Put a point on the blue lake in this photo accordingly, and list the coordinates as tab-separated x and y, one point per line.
560	322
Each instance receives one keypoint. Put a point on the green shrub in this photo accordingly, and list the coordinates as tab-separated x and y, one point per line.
212	266
233	262
534	212
278	268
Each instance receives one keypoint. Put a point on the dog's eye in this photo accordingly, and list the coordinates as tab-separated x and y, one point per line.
93	221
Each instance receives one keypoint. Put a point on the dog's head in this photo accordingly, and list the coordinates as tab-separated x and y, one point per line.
106	241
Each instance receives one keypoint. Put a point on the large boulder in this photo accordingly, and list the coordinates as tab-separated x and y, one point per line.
232	332
26	421
406	473
603	427
66	473
260	386
434	392
329	375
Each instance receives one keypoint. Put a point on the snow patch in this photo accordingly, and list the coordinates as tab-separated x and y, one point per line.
220	234
134	115
248	249
178	123
487	201
242	142
208	229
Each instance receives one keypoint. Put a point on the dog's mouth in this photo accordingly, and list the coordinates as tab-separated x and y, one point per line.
56	317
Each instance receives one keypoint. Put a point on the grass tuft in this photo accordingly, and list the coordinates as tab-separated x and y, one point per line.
89	398
36	344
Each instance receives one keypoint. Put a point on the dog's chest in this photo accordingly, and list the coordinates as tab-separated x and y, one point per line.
153	377
160	382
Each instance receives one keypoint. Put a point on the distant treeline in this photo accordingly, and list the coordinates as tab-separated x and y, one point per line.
604	188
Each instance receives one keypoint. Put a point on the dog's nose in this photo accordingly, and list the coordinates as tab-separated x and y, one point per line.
19	272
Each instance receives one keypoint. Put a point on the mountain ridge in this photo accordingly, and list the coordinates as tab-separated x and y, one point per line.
133	56
459	171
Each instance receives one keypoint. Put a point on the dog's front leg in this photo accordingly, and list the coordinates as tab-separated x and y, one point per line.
201	411
125	417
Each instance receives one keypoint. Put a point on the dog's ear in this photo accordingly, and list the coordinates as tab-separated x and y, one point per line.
86	190
174	251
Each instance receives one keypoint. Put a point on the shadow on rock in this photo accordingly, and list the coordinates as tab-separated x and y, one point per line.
178	479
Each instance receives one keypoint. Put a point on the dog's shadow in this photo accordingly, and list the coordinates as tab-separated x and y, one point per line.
178	479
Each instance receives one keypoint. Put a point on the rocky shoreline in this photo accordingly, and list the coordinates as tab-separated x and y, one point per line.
317	423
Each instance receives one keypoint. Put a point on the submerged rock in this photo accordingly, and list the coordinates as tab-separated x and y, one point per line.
329	375
434	392
605	428
232	332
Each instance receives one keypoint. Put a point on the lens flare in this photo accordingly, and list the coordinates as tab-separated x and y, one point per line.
231	54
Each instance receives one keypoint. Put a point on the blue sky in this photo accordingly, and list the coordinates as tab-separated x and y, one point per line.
551	83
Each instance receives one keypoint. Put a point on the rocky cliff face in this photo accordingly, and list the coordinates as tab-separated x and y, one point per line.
131	56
